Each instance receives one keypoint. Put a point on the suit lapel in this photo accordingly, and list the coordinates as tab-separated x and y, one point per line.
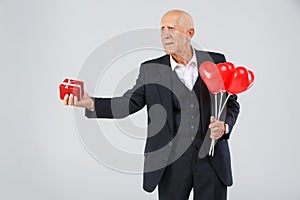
164	88
205	100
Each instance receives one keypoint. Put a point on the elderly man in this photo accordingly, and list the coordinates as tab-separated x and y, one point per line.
171	153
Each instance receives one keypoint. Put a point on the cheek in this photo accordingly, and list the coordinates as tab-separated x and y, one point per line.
181	41
180	38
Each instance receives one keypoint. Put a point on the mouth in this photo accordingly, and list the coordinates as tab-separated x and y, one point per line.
169	43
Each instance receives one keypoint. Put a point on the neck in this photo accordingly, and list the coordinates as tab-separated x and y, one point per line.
184	57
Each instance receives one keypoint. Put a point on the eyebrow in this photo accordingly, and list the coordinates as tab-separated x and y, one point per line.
169	27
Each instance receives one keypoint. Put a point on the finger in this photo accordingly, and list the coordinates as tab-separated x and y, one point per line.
214	125
216	131
217	123
215	135
71	99
75	100
66	97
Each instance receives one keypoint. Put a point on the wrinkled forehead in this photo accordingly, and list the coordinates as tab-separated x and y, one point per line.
170	20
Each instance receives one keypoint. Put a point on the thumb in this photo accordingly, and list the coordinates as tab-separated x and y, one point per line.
212	119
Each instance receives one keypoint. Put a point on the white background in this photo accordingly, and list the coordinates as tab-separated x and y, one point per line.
42	42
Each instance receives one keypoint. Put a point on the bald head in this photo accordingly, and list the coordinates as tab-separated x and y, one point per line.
181	17
177	30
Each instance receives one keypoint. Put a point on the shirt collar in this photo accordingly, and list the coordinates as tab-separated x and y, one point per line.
193	61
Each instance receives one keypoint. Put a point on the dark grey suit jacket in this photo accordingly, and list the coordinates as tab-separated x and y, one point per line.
153	87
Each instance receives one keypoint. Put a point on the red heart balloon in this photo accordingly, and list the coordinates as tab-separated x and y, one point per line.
211	77
239	80
230	65
225	71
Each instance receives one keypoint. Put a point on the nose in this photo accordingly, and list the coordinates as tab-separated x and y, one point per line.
165	34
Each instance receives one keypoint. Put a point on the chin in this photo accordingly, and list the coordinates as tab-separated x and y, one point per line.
169	51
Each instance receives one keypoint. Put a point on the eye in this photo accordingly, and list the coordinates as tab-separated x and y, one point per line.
170	27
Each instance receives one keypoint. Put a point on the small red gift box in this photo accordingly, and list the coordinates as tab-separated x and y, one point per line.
69	86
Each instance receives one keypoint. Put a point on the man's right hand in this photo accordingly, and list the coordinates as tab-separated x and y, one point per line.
86	101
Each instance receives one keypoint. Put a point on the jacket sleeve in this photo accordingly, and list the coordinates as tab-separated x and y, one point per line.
130	102
232	112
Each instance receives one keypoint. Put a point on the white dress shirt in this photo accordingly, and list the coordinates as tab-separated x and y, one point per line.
188	74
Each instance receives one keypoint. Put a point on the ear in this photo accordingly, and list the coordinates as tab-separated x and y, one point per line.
191	32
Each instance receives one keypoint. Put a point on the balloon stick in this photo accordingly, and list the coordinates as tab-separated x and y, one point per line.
223	106
212	144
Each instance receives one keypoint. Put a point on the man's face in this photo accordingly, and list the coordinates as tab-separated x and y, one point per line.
174	36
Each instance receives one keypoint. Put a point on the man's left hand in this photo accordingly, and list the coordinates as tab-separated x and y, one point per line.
217	128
